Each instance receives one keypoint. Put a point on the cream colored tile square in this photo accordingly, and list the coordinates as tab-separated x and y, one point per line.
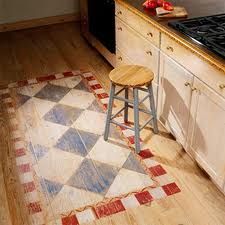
77	98
90	121
69	82
31	90
58	166
70	198
109	153
128	181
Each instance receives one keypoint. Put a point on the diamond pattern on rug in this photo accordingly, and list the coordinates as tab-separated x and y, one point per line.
63	114
93	176
52	93
22	99
63	126
53	188
77	142
38	150
133	164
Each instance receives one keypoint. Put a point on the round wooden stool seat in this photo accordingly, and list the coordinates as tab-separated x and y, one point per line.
131	76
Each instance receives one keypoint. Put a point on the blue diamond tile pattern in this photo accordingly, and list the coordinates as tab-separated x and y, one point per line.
22	99
93	176
95	107
38	150
52	93
63	114
81	86
133	164
78	142
53	188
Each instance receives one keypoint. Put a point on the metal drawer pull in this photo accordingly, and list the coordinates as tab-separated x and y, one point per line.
149	52
119	13
150	34
194	89
222	86
187	84
169	48
120	28
120	58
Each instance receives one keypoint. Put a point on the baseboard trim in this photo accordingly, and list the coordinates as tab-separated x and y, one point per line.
39	22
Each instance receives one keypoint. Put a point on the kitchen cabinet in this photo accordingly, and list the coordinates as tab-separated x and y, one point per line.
206	139
139	50
175	91
189	91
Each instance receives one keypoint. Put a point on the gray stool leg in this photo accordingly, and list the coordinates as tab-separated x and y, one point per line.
126	105
136	121
153	109
109	113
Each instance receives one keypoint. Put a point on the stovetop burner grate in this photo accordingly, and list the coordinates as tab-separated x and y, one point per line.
208	31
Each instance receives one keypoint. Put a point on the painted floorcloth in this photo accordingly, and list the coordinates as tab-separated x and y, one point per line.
70	175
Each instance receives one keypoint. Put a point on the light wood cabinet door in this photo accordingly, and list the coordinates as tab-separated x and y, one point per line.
139	50
175	97
207	131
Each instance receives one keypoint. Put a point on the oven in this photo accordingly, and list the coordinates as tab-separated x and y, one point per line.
101	17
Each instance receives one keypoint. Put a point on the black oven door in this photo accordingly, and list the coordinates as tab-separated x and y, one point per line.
101	15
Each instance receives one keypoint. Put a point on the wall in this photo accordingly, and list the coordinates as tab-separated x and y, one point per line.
18	10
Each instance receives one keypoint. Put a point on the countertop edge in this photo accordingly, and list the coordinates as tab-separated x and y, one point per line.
191	47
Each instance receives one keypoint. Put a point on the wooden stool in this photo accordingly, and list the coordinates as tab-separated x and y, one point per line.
131	76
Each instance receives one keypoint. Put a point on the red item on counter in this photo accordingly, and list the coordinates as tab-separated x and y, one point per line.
168	6
150	4
160	3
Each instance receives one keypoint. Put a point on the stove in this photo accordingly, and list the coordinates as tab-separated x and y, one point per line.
208	31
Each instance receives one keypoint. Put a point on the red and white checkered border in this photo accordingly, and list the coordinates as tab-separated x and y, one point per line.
166	185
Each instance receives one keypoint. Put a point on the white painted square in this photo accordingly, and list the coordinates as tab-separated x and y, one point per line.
109	153
104	100
32	196
90	121
22	160
99	91
19	144
164	179
128	133
26	177
157	193
37	218
57	165
86	216
130	202
59	76
150	163
32	81
78	99
87	75
93	82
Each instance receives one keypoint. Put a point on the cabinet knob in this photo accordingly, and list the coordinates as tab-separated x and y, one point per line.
119	13
120	58
194	89
120	28
150	34
222	86
169	48
148	52
187	84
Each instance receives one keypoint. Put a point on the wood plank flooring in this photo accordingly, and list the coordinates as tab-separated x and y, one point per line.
57	48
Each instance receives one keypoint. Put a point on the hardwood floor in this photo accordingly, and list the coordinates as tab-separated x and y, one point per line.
57	48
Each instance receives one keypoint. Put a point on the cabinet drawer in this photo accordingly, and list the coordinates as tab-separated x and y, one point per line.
139	50
136	22
121	58
200	68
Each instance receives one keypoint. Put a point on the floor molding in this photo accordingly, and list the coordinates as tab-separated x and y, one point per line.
39	22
